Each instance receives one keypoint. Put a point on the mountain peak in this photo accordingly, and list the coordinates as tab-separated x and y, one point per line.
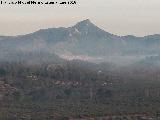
83	23
86	21
87	27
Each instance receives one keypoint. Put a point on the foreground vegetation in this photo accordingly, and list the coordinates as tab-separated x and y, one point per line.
77	90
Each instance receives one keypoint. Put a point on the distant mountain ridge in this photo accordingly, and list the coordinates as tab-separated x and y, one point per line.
83	39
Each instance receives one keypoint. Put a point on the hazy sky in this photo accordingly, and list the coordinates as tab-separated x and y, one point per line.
122	17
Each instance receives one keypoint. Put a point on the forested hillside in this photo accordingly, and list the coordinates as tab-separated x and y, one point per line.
75	90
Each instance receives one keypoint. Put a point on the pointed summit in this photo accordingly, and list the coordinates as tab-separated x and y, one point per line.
85	26
86	22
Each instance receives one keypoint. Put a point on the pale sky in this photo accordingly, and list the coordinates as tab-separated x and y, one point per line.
121	17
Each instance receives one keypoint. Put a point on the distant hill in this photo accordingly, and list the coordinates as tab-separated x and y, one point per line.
84	41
